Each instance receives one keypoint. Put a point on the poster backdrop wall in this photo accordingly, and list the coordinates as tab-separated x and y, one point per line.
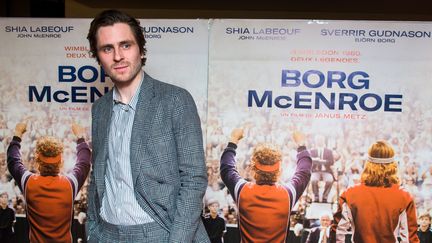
345	83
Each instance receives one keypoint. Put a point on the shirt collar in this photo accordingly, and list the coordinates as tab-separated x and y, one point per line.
133	102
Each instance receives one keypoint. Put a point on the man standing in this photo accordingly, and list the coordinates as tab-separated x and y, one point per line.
264	206
149	174
7	219
214	224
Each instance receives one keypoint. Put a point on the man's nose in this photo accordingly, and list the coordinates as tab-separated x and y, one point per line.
118	54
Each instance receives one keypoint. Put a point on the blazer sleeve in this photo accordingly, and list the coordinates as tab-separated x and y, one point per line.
92	208
93	198
192	168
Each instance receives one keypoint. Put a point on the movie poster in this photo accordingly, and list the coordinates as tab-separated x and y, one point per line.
49	80
345	84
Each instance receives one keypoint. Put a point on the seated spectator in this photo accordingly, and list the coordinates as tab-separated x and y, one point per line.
323	160
321	233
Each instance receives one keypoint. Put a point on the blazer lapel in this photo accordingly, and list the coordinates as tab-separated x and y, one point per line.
103	134
142	127
145	111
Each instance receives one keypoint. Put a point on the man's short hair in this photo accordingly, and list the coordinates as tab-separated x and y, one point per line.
425	215
109	18
326	213
212	201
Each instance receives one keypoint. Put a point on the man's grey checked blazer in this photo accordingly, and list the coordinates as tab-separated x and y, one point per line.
167	159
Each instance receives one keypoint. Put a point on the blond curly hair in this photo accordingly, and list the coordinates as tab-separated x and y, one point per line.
48	147
266	154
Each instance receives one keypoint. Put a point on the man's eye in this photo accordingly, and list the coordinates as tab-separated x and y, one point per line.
107	49
126	46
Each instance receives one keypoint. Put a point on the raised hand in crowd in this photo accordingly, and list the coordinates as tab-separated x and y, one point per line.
78	130
20	129
236	135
